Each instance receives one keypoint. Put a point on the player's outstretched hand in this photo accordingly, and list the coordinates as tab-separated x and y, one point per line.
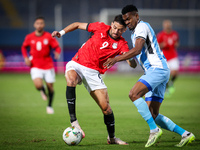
56	55
109	63
27	61
56	34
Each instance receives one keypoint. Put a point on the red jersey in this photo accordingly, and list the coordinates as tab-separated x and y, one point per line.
40	47
99	47
170	39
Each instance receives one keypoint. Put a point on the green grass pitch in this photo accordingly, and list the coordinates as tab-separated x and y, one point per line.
24	123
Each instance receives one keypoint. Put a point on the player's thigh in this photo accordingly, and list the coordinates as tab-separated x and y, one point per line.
36	73
138	90
49	75
38	82
73	74
92	80
37	77
157	94
72	78
102	99
154	77
173	64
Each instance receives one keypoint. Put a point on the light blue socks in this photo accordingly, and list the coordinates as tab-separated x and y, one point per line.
160	120
167	124
143	109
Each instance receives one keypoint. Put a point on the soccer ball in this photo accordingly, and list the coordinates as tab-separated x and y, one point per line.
72	136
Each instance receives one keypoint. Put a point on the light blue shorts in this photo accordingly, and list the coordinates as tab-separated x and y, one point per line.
155	79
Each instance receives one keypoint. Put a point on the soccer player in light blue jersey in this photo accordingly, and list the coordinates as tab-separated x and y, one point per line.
153	83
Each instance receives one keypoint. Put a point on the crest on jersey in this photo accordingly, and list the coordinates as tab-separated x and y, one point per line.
45	41
114	45
32	41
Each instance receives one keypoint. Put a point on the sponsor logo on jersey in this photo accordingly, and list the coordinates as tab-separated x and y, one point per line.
102	36
114	45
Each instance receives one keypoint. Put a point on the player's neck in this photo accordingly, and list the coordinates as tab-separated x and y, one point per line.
168	31
37	33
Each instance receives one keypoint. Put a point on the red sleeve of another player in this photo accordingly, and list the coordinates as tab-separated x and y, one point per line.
159	37
92	27
55	45
24	47
177	40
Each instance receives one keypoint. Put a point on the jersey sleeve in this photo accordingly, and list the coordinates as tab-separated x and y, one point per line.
55	45
124	48
25	44
141	31
92	27
177	36
159	37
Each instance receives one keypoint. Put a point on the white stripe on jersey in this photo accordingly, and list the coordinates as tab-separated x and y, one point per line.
151	55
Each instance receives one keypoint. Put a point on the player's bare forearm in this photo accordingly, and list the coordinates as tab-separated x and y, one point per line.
111	61
162	45
132	63
74	26
133	52
56	55
70	28
27	61
176	45
130	54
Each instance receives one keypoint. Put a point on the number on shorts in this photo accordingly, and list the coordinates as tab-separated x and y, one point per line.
99	75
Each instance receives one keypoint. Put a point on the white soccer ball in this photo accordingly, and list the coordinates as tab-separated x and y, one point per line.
72	136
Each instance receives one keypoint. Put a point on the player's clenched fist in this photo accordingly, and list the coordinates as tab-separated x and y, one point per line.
56	33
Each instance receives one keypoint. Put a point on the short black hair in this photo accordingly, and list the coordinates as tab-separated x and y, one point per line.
120	20
129	8
39	17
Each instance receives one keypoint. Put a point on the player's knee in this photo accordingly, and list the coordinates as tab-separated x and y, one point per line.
133	96
71	83
154	113
39	87
106	110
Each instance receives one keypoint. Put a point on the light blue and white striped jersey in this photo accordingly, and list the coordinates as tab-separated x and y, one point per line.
151	55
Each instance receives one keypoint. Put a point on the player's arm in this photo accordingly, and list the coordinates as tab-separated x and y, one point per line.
57	53
132	63
55	45
161	43
24	52
70	28
176	44
130	54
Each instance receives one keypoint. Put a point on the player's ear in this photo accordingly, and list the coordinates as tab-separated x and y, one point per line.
137	16
111	24
34	25
125	29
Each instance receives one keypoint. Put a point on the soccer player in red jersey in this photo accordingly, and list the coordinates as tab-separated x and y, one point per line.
168	40
40	61
87	66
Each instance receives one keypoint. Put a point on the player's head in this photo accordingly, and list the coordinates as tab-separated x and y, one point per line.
130	16
39	24
117	27
167	25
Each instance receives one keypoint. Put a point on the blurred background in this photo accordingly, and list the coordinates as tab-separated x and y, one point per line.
17	17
